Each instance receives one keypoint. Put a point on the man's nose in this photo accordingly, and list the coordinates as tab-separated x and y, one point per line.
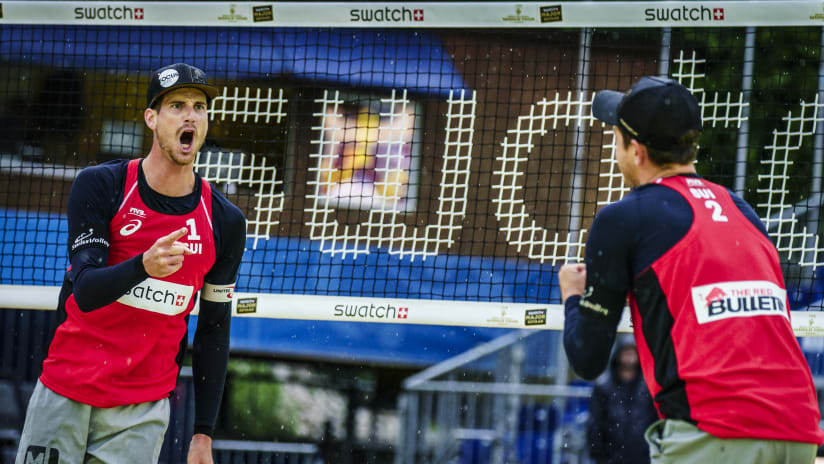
191	114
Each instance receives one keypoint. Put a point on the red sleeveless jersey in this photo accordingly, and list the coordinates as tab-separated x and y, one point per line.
125	352
733	352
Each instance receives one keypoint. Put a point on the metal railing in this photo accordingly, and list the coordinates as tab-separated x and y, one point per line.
503	402
233	451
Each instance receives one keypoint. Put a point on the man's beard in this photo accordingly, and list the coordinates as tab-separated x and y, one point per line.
177	158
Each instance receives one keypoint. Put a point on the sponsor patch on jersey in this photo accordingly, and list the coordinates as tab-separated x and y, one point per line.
88	238
217	293
131	227
159	296
746	298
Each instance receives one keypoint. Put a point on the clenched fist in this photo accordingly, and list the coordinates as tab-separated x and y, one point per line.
572	279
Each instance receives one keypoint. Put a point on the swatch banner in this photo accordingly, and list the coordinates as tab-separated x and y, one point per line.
419	15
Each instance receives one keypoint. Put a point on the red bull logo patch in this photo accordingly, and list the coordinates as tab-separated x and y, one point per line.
748	298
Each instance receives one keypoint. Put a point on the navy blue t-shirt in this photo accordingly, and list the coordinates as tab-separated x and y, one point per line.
626	237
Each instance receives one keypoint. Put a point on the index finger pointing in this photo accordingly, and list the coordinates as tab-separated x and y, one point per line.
171	238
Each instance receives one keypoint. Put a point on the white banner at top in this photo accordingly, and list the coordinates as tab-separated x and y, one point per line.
418	15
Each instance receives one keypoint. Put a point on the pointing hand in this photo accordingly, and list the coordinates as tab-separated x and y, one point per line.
165	257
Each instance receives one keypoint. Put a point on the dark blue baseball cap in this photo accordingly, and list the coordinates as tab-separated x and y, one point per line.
655	111
175	76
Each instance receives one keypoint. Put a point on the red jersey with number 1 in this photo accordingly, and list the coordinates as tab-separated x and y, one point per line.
125	352
732	364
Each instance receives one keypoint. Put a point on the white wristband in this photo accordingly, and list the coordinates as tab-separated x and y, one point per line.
217	293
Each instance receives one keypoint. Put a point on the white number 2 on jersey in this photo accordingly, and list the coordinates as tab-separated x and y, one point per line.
717	214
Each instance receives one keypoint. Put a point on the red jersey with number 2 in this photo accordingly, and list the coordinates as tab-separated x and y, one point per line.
125	352
735	353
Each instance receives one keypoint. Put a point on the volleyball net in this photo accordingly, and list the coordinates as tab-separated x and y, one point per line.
423	163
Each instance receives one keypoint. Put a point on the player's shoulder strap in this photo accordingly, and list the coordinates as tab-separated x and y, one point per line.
206	200
130	184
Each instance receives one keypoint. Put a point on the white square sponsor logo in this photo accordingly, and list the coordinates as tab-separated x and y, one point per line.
158	296
746	298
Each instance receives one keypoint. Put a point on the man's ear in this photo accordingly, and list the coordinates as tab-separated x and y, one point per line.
641	155
150	116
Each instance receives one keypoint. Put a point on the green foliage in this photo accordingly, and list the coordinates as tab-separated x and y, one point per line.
785	72
255	407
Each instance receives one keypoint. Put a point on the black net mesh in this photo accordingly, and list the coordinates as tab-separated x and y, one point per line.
457	164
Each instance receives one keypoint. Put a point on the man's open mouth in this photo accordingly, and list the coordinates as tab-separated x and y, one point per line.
186	138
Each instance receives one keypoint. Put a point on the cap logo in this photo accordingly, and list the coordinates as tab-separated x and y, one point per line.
628	128
168	77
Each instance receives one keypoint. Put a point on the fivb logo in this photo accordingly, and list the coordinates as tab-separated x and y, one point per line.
723	300
158	296
133	224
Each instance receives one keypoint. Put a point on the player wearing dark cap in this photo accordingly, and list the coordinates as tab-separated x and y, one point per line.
145	235
707	298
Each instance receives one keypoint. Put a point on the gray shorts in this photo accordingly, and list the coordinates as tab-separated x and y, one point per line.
676	441
61	430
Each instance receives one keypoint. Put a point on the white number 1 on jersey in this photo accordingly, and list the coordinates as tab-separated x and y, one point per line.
192	230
